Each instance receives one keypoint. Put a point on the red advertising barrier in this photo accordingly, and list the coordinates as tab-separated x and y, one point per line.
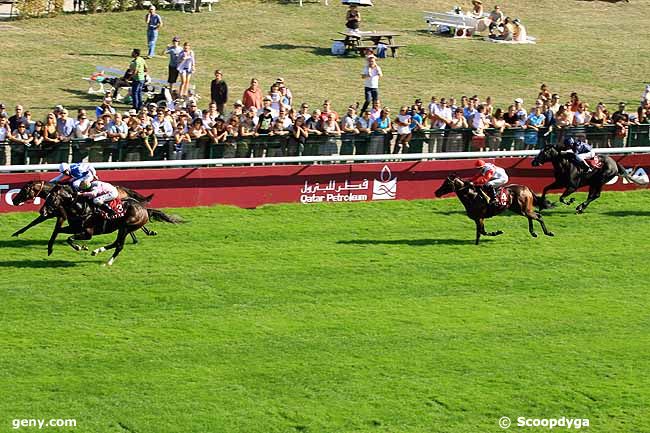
250	187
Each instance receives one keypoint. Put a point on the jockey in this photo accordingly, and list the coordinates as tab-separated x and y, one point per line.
78	171
582	151
490	177
102	193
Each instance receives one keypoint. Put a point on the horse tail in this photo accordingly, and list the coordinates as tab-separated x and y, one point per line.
136	195
158	215
541	204
622	171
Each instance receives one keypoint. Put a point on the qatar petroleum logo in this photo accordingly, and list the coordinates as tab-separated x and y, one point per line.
639	176
384	188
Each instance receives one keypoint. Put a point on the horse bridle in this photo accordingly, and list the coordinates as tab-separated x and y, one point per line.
41	189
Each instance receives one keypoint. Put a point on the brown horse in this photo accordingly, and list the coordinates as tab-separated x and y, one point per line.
84	223
520	200
41	189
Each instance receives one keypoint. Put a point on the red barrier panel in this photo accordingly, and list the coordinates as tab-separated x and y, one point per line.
250	187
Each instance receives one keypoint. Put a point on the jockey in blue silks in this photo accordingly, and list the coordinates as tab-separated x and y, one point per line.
79	172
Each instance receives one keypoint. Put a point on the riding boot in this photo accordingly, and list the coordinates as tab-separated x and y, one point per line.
492	193
586	167
106	208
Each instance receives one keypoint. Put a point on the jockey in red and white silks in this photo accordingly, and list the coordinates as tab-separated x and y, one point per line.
490	177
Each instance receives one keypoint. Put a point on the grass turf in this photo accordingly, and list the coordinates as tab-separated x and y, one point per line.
592	48
378	317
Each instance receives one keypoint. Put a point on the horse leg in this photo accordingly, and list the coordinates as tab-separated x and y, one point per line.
149	232
567	192
55	232
554	185
105	248
39	219
479	229
135	240
121	236
594	193
83	236
530	226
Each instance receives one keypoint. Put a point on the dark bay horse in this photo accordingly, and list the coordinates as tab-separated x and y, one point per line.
521	201
569	177
84	223
41	189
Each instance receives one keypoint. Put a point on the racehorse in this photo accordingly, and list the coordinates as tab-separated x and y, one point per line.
518	198
570	177
41	189
83	222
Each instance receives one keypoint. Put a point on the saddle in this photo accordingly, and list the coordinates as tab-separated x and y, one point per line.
117	207
595	162
503	198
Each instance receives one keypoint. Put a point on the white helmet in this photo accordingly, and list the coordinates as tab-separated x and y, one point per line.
63	167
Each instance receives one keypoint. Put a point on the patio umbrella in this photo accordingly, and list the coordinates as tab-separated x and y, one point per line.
357	2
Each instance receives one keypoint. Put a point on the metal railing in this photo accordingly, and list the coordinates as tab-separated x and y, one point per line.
252	149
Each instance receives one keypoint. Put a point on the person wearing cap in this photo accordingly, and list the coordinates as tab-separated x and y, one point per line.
253	95
173	51
519	33
267	104
137	68
105	107
154	23
20	136
519	107
79	172
219	91
490	177
101	194
65	126
3	110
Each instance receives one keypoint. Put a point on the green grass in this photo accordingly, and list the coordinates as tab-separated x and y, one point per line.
379	317
593	48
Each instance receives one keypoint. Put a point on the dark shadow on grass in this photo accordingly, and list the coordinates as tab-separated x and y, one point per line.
125	55
412	242
81	93
319	51
628	213
31	264
19	243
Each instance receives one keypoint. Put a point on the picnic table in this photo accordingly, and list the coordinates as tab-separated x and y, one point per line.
354	41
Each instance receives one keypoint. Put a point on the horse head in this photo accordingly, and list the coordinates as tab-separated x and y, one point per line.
546	154
30	191
451	184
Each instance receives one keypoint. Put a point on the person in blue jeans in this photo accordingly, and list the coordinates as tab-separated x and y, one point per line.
137	70
154	23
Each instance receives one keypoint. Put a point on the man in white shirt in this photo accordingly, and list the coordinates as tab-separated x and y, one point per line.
441	114
371	74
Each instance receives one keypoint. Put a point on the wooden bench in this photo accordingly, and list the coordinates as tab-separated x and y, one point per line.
452	20
326	2
361	49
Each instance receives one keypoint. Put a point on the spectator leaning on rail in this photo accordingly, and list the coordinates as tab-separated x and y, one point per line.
79	172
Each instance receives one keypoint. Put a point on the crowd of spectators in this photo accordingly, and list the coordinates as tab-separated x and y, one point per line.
163	130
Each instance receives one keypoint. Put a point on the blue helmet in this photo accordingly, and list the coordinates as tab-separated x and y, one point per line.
569	141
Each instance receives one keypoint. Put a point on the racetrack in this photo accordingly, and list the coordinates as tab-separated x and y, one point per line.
371	317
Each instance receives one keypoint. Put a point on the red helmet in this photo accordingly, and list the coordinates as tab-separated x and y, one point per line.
480	163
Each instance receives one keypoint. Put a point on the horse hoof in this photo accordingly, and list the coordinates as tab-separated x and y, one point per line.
15	235
153	233
533	234
550	234
84	248
572	200
498	232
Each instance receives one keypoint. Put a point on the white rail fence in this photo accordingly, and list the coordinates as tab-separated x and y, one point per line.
310	159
